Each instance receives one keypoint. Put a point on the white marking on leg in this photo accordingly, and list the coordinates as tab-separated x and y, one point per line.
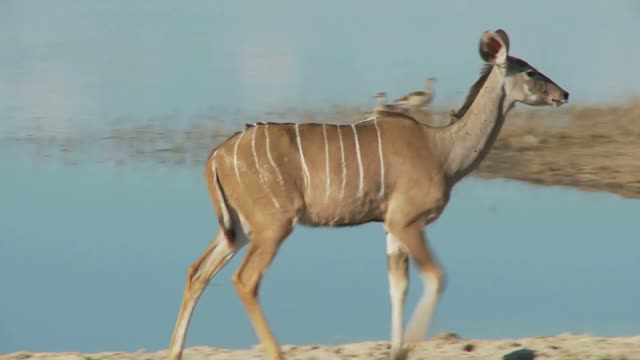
266	135
235	156
423	314
344	164
360	182
307	179
326	155
260	175
398	292
394	245
397	317
375	122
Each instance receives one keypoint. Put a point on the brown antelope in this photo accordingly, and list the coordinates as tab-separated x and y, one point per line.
389	169
418	99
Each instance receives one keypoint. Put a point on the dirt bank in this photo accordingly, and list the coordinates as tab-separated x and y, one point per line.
595	148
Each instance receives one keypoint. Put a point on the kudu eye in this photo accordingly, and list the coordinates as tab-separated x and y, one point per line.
530	73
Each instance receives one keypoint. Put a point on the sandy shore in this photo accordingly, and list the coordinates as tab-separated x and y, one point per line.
441	347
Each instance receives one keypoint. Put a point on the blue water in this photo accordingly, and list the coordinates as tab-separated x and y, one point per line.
66	65
93	258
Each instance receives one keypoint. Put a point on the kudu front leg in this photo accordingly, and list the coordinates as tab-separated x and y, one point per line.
432	275
398	267
262	250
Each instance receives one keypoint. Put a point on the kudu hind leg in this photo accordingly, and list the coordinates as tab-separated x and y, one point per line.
260	254
213	259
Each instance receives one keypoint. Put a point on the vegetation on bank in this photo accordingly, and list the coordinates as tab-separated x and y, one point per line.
590	147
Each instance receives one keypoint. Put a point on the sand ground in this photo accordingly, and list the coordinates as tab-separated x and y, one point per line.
440	347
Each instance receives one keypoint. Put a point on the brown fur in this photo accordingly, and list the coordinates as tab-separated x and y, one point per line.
269	177
473	92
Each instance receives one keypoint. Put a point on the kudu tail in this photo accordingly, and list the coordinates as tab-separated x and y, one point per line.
219	199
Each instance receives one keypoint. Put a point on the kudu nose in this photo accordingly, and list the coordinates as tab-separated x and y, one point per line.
566	96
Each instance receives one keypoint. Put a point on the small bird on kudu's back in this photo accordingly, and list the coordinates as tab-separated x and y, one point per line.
418	99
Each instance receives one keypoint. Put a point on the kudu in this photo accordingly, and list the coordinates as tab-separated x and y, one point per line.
390	169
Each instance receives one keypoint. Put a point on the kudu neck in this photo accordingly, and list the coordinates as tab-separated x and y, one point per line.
462	145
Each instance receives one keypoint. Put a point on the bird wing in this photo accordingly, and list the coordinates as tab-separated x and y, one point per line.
415	93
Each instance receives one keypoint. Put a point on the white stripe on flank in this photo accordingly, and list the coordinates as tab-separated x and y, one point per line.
255	159
326	155
235	156
375	122
361	172
266	135
307	179
344	164
255	154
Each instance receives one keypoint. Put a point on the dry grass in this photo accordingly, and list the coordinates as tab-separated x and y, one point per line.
589	147
592	148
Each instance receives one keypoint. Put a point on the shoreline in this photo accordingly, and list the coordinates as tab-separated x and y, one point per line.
445	346
584	147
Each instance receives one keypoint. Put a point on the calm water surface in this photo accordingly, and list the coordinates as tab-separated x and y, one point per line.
67	65
94	258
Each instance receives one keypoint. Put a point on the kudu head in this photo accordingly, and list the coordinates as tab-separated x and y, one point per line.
523	83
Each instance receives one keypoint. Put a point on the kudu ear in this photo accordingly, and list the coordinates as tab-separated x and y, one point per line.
493	48
505	38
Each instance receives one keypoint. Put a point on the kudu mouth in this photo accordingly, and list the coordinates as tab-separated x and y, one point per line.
561	99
